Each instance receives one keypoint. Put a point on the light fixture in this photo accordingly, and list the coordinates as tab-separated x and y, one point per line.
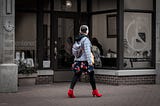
68	3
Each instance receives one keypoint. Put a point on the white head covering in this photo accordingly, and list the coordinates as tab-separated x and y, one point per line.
83	28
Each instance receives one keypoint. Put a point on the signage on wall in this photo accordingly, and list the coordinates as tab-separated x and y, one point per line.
46	64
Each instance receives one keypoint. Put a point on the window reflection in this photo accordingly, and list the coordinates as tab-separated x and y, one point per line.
65	41
107	46
137	40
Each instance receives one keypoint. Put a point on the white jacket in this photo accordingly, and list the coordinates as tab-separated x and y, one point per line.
86	52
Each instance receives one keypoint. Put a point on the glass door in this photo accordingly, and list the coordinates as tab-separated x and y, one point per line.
64	32
64	41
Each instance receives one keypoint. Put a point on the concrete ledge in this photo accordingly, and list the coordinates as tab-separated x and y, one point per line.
45	72
45	76
8	78
125	72
21	76
105	72
158	73
136	72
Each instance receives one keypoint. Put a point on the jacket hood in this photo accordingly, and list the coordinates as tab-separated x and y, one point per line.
79	37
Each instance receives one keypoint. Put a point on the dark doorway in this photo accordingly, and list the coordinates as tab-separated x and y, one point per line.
65	27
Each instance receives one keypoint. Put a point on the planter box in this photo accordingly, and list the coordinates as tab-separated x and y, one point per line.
27	79
45	76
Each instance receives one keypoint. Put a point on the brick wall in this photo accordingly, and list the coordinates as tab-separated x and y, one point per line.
122	80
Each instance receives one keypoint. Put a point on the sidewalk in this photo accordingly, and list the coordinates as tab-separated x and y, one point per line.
56	95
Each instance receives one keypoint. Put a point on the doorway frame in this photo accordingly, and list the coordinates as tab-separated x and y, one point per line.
54	33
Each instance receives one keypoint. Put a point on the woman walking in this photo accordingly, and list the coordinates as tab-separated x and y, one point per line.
83	62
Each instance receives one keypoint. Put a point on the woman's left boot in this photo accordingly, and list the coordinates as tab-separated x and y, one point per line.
70	93
96	93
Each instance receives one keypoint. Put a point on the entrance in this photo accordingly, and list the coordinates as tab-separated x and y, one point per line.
65	27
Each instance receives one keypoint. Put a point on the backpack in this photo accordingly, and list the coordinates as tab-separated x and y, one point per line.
78	48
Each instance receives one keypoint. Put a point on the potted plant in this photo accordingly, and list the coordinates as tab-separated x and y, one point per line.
26	73
25	68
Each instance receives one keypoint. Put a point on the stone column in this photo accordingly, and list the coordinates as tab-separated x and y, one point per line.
157	41
8	70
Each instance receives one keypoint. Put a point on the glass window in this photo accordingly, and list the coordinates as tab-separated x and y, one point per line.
25	31
46	4
138	4
65	42
83	5
31	4
65	5
137	40
100	5
107	45
25	37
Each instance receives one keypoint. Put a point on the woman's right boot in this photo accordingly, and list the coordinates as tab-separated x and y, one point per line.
70	93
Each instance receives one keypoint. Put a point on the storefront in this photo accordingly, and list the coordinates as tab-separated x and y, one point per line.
45	31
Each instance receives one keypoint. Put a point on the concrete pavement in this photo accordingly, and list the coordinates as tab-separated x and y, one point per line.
56	95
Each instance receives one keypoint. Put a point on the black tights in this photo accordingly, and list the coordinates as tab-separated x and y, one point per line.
77	76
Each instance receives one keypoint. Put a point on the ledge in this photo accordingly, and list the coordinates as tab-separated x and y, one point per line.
8	64
105	72
125	72
136	72
45	72
21	76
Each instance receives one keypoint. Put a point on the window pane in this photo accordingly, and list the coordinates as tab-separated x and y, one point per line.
138	4
30	4
100	5
137	40
83	5
65	41
46	4
25	31
25	37
109	45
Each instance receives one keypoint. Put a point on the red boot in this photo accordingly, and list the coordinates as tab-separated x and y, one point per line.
70	93
96	93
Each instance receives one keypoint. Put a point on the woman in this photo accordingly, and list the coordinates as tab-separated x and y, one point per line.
83	63
96	43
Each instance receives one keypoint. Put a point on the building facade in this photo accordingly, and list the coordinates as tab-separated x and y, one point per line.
44	31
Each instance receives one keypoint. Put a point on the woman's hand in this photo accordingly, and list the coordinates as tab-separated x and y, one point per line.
90	68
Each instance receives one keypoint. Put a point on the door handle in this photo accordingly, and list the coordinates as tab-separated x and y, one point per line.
55	52
55	42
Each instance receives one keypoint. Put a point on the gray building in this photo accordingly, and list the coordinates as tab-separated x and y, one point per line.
43	31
